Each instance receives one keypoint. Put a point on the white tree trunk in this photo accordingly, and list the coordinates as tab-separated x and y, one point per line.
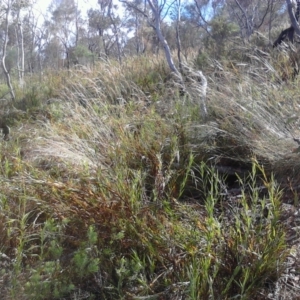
156	12
155	22
7	76
21	47
178	41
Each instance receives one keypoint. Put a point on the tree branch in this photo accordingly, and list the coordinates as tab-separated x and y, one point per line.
295	23
264	16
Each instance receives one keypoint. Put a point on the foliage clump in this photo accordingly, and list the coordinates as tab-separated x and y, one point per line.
106	195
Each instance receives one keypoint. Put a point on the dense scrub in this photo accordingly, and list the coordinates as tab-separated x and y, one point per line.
113	186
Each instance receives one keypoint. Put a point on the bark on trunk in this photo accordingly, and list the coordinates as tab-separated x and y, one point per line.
178	41
289	32
292	16
163	40
6	73
22	55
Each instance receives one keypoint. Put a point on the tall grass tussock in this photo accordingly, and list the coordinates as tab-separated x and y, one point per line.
114	185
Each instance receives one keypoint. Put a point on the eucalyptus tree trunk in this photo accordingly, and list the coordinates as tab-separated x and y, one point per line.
178	41
115	30
156	12
294	12
21	56
4	50
294	16
155	23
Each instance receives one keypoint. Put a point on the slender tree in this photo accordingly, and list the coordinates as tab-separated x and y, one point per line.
115	28
293	8
249	15
176	16
141	34
158	9
6	9
63	26
154	20
99	24
20	42
105	30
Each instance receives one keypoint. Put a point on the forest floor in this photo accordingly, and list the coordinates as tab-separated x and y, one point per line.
116	185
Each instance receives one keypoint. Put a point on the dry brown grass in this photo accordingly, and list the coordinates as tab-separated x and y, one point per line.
109	184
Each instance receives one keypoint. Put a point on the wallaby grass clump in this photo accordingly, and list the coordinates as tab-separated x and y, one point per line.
106	195
121	240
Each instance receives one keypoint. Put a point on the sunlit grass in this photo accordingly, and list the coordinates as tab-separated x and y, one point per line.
113	186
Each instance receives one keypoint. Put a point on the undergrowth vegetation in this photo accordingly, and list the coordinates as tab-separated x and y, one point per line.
113	186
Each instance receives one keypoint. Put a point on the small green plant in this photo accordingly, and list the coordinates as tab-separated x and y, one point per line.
240	252
45	279
86	261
